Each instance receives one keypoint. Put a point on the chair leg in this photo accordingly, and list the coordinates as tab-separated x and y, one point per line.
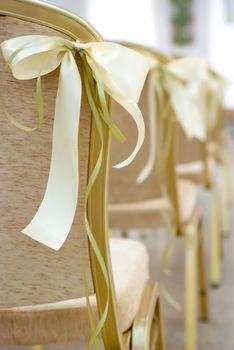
215	241
225	219
203	291
227	197
228	178
191	287
147	330
161	340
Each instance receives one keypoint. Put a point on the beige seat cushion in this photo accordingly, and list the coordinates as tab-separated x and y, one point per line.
130	269
194	171
148	213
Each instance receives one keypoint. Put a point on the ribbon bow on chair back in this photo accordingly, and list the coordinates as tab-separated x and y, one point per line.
119	71
184	80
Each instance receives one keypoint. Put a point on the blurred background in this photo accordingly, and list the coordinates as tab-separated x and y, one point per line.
200	27
191	27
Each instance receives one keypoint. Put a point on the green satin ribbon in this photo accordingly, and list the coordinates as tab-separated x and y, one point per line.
90	90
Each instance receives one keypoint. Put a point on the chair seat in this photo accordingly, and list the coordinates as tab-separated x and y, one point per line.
148	213
194	171
68	320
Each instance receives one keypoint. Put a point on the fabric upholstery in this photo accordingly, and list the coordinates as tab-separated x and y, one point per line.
131	272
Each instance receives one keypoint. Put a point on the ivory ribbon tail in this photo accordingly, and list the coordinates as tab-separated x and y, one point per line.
60	199
152	111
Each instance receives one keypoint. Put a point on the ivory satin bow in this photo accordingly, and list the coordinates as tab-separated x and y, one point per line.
184	80
122	72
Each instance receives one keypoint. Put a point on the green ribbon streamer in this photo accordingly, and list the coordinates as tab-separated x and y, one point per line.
90	90
163	145
99	107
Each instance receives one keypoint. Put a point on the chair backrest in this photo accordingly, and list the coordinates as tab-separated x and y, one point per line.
188	150
123	187
31	273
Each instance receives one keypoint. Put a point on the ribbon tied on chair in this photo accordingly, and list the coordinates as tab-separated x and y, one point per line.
184	80
119	71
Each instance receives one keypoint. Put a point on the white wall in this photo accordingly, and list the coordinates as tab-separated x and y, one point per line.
199	27
129	20
213	37
221	44
77	6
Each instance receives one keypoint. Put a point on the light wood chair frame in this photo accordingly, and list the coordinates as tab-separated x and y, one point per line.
49	15
195	275
208	183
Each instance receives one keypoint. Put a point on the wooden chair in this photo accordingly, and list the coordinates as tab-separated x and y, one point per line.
141	205
203	163
218	146
202	169
42	294
198	162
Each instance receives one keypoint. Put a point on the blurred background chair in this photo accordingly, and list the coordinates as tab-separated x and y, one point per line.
197	163
202	162
144	205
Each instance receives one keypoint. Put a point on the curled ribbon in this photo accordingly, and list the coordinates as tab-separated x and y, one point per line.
152	125
117	69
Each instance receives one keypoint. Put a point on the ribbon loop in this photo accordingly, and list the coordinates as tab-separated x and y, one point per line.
38	55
